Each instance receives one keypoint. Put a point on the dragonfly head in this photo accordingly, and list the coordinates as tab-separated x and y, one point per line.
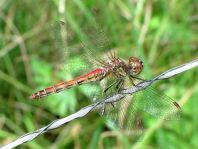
135	65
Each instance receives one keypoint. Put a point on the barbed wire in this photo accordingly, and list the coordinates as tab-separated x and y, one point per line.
114	98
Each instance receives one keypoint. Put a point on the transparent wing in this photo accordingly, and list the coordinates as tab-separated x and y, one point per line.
129	113
125	117
81	48
80	53
158	104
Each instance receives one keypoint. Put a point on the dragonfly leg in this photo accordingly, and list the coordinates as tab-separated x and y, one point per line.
119	85
112	105
131	80
106	89
137	78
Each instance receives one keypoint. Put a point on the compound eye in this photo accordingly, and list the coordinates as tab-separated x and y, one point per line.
136	65
141	62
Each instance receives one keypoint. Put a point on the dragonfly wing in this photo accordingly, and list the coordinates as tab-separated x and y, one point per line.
124	116
158	104
85	50
128	114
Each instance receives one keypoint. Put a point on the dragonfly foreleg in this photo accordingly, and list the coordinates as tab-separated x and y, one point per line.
131	80
118	83
137	78
107	88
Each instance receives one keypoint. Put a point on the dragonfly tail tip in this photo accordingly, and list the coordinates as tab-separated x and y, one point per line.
32	97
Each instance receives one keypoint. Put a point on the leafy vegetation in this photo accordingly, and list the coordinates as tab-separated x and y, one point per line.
34	55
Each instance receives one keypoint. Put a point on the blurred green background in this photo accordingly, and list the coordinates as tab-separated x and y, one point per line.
162	33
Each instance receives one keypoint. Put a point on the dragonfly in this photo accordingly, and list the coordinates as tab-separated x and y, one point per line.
121	112
115	66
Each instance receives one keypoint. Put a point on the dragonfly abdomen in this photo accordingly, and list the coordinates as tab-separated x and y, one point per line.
92	76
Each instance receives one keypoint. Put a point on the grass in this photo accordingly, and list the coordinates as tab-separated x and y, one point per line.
162	33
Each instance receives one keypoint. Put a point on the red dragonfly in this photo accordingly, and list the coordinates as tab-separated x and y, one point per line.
115	66
151	101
